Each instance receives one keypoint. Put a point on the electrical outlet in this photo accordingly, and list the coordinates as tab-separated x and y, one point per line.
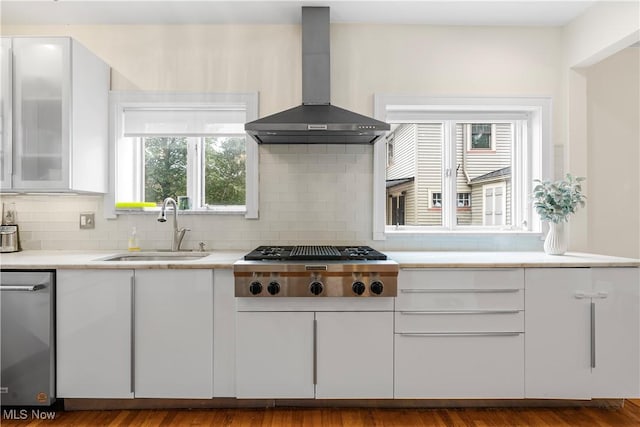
87	220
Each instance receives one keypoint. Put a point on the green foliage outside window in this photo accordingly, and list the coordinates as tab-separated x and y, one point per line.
224	171
165	175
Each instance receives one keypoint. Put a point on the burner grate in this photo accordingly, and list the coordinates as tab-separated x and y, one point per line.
315	251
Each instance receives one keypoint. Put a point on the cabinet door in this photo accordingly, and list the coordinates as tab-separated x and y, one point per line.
274	355
6	60
174	333
557	333
459	365
93	317
617	331
224	334
41	113
354	355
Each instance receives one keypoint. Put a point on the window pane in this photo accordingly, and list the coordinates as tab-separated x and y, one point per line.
224	170
481	136
415	174
165	168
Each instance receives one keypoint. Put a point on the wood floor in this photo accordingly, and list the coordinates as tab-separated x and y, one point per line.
629	415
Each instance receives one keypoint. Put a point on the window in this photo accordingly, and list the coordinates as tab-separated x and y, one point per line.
472	162
172	145
480	136
464	200
436	200
390	150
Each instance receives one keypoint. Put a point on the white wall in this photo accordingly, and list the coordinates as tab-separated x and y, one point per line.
305	195
613	111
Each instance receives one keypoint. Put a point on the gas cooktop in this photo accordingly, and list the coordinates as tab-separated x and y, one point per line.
314	253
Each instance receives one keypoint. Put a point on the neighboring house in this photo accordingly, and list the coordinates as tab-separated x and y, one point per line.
483	171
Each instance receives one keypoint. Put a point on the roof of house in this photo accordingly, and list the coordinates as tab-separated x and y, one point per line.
395	182
500	173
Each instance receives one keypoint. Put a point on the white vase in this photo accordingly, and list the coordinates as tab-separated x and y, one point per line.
556	241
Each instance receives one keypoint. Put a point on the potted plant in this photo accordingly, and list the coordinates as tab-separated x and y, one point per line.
555	202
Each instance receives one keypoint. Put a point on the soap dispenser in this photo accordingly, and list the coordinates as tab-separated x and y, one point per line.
133	241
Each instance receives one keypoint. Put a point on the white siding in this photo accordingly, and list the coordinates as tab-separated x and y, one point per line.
429	178
404	149
478	162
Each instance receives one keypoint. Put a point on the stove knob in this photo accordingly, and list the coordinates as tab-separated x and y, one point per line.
358	288
316	288
273	288
255	288
377	287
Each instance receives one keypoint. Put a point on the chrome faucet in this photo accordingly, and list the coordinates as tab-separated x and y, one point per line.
178	233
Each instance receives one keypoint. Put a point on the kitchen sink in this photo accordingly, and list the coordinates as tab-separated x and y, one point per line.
167	256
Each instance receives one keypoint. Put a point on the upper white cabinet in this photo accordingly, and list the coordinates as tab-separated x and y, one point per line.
5	113
56	139
582	333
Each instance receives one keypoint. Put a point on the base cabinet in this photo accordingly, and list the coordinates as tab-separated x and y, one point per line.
582	333
143	333
326	355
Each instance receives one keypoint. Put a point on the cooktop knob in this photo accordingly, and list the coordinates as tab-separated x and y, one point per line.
273	288
255	288
358	288
377	287
316	288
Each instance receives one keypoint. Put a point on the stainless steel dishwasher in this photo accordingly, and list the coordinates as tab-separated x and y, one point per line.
27	342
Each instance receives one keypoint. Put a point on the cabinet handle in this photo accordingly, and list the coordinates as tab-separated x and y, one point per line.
593	334
23	288
585	295
459	334
315	351
459	291
133	334
458	269
462	312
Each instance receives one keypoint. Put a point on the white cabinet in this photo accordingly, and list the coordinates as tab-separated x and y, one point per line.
174	333
6	110
327	355
582	333
59	111
459	334
224	334
93	333
124	334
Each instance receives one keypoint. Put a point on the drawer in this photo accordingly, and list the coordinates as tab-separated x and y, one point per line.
464	366
460	321
461	278
459	299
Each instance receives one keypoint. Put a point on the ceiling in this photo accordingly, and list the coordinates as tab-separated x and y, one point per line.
433	12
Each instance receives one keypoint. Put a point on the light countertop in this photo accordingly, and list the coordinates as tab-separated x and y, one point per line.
225	259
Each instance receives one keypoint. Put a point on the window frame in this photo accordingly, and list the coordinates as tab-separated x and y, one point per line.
468	138
468	194
121	100
534	158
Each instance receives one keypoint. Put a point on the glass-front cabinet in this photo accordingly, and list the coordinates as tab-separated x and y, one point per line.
55	116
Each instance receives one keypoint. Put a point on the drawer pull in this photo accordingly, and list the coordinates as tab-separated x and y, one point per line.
459	334
470	270
459	291
461	312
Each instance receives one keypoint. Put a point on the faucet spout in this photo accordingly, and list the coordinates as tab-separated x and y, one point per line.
178	234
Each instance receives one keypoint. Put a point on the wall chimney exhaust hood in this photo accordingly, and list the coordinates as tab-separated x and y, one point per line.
316	121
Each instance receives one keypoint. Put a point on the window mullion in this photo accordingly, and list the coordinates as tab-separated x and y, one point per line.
449	175
193	171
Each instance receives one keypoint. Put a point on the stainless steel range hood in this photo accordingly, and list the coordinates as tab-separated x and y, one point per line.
316	121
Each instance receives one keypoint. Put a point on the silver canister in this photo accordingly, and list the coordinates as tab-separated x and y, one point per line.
9	241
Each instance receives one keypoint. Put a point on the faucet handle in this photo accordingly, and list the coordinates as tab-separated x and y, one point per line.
202	245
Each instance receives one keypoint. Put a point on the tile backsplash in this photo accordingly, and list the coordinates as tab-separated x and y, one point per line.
320	194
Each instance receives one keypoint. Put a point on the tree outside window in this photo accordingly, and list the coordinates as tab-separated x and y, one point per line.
224	171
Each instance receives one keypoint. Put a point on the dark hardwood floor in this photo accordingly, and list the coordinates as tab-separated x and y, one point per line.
629	415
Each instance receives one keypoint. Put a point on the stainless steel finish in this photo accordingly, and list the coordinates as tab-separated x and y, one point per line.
593	334
337	277
9	241
457	270
178	233
132	380
460	291
27	338
163	257
460	334
316	62
413	313
315	351
316	121
584	295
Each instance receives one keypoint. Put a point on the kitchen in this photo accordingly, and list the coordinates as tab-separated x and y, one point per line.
297	201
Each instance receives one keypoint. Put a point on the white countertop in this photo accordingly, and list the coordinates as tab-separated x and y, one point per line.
225	259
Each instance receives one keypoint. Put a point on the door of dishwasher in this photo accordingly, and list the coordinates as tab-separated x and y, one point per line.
27	342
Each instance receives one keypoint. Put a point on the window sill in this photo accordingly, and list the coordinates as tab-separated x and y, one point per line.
155	211
408	230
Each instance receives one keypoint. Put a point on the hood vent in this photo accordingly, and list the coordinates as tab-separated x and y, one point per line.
316	121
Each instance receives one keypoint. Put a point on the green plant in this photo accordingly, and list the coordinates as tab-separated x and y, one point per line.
555	201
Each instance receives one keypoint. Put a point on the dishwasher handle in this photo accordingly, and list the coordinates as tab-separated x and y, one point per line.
23	288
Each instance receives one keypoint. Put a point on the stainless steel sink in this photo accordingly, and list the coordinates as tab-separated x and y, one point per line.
168	256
